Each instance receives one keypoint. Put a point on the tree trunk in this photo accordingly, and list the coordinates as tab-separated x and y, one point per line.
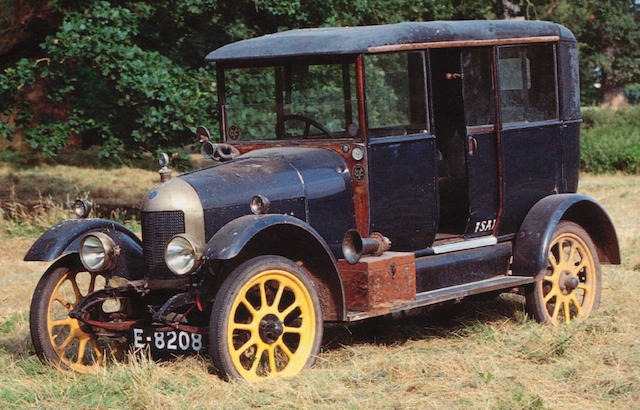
614	98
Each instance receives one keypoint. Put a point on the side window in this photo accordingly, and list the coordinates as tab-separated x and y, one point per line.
527	79
396	93
477	84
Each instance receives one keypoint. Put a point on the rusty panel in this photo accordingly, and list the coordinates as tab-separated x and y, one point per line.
379	282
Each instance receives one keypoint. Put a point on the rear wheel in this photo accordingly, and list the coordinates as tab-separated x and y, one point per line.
57	338
570	288
266	320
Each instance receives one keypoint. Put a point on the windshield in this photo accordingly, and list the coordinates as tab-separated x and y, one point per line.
293	101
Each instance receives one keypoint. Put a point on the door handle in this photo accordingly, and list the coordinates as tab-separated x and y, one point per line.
473	145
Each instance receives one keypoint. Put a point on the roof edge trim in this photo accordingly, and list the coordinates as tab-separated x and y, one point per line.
462	43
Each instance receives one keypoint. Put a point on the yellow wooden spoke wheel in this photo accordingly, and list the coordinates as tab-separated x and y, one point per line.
58	338
266	320
571	286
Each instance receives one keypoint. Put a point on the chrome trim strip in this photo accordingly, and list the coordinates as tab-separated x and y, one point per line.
470	244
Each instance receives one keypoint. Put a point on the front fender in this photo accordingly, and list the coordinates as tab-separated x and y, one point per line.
532	242
65	237
232	238
286	236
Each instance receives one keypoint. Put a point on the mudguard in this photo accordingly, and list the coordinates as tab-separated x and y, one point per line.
64	238
532	241
283	233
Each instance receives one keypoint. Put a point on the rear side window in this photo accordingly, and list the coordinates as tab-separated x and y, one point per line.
527	80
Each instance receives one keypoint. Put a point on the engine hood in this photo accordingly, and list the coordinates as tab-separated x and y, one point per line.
312	184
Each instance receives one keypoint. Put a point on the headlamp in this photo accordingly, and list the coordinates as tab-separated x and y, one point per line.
97	251
182	254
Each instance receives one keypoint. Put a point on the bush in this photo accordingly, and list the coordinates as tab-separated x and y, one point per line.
102	85
632	91
610	140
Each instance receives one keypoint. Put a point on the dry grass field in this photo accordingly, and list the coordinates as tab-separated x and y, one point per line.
473	354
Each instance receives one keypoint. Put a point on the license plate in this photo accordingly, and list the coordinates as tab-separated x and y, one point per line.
168	341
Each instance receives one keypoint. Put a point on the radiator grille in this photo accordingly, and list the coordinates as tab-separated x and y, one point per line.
157	229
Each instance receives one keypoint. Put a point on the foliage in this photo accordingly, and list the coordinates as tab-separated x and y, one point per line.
610	140
109	89
633	93
608	33
129	74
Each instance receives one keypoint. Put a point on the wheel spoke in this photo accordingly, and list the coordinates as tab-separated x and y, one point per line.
97	350
92	283
249	306
560	246
76	289
62	322
578	268
576	304
64	303
81	348
285	349
552	260
556	309
263	295
567	313
572	251
290	329
548	296
244	326
68	340
288	310
256	361
276	299
272	360
244	347
583	287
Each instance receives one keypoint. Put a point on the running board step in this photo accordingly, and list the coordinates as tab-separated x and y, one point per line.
442	295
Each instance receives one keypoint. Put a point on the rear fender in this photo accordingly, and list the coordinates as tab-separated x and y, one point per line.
284	235
533	240
65	237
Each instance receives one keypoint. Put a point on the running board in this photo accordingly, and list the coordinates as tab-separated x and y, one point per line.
442	295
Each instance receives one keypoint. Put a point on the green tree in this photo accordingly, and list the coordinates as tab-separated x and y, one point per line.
609	35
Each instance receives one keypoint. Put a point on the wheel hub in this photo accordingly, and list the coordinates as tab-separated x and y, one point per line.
270	328
568	282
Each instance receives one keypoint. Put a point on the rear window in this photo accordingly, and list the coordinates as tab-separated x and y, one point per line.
527	80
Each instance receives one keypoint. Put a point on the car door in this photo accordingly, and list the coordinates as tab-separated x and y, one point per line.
403	201
481	140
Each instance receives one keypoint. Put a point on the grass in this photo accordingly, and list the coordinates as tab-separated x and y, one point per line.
478	354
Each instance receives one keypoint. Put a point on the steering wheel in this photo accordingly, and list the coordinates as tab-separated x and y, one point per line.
307	121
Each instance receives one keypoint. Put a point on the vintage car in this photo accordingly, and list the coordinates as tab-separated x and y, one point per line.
360	171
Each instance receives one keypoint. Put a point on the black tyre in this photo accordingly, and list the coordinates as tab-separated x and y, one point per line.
266	320
572	284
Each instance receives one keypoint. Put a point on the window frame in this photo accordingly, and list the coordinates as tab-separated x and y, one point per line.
424	59
525	91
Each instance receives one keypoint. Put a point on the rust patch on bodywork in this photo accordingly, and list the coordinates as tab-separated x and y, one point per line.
379	282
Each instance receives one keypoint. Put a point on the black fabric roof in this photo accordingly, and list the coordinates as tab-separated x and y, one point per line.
355	40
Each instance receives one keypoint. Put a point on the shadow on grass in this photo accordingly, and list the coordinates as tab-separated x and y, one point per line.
444	320
440	321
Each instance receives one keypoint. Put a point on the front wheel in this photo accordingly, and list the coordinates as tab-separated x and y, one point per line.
266	320
57	338
570	288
